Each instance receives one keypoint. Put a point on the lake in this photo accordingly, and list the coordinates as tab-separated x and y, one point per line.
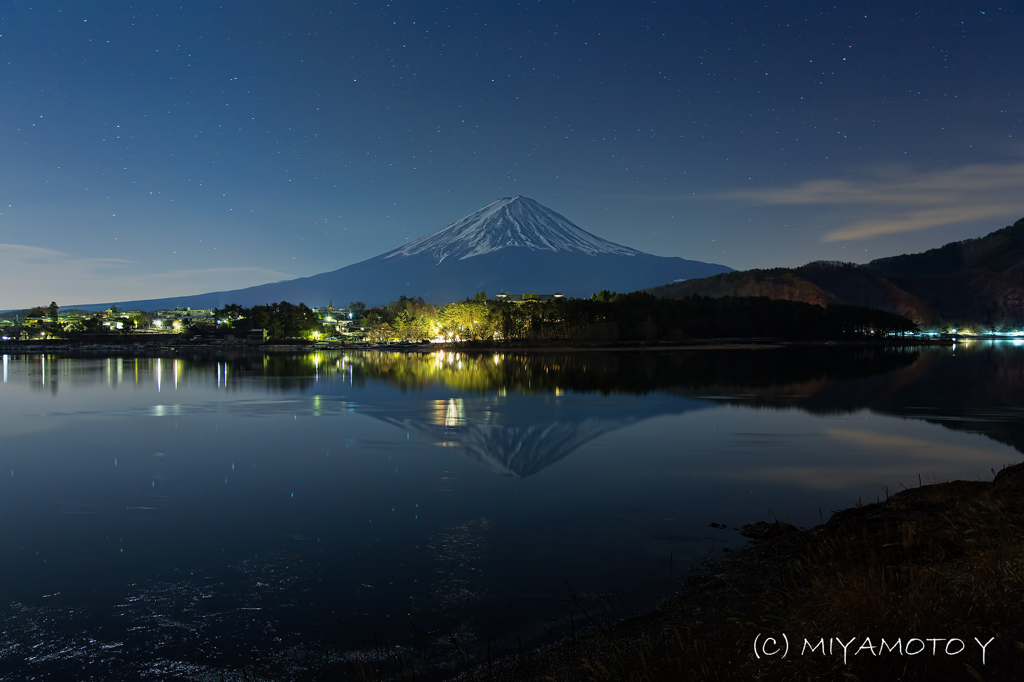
178	517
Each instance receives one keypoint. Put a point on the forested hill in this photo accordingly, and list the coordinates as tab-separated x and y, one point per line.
1000	251
972	283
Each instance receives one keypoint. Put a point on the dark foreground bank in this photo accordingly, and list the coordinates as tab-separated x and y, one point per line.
926	585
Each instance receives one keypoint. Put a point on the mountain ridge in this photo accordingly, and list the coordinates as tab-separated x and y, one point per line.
975	282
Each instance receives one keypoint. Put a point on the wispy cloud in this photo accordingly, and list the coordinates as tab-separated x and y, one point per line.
35	276
919	220
908	200
912	448
892	458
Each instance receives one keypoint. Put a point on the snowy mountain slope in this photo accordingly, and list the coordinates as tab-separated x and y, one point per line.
514	245
510	222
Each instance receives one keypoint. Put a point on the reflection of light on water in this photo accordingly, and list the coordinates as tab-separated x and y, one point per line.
166	411
451	412
455	415
5	368
225	378
1003	341
177	370
42	379
158	373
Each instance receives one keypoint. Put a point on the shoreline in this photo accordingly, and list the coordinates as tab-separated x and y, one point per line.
939	562
146	347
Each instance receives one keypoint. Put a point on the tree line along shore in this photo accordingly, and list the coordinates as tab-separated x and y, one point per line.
604	318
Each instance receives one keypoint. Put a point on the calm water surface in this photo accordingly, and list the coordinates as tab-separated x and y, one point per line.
172	518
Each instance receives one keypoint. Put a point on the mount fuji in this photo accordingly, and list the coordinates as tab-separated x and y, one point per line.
514	245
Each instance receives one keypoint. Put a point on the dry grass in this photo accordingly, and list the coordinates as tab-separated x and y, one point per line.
930	564
942	561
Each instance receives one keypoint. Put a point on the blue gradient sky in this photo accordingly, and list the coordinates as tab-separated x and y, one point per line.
156	148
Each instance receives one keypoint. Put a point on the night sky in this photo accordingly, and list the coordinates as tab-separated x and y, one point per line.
163	148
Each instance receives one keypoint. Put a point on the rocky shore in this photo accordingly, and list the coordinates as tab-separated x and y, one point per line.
926	585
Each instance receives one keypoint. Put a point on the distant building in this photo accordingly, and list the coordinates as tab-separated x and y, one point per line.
334	320
180	317
14	332
184	314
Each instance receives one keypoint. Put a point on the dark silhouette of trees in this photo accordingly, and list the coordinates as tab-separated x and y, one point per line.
607	317
281	320
640	317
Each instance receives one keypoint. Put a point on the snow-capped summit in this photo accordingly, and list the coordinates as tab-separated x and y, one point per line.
511	221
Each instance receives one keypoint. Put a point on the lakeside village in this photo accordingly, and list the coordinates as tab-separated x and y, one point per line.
403	321
318	324
604	318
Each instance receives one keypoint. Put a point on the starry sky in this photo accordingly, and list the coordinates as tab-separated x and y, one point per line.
166	148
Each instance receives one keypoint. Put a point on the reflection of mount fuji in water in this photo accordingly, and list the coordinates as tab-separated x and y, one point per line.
519	412
517	437
978	388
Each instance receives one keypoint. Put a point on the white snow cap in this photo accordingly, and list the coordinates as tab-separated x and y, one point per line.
511	221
